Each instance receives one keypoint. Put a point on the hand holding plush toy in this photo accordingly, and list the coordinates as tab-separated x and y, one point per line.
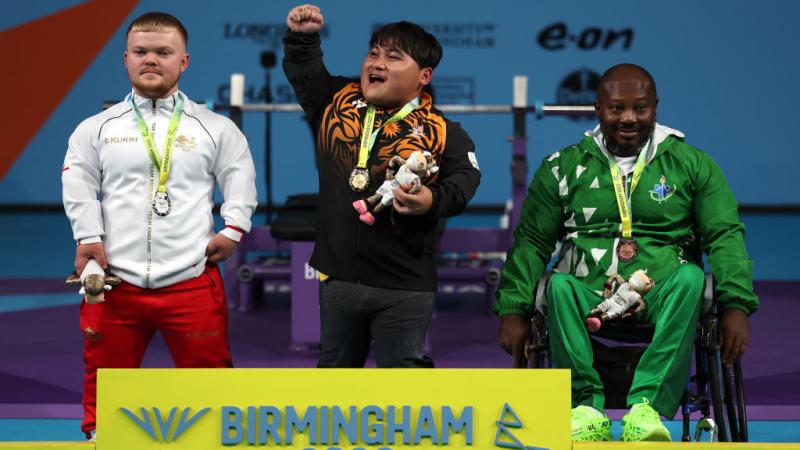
626	301
93	282
419	167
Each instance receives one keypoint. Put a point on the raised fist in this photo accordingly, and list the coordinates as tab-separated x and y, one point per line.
305	19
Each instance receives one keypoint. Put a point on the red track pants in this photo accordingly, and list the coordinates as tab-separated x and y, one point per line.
192	317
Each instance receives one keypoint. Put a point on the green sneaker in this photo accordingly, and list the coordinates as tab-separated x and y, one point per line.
589	424
644	424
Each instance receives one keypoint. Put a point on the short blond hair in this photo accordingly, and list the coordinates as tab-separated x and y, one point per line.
158	21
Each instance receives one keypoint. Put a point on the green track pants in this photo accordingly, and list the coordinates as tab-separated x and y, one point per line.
661	376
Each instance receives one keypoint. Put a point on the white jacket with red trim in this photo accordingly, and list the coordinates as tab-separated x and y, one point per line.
109	182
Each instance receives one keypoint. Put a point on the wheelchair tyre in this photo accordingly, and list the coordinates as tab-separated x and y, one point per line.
715	379
685	437
538	348
733	423
739	380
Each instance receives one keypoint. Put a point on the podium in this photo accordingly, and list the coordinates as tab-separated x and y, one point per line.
328	409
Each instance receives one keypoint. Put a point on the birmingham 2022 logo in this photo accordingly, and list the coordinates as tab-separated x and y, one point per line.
504	437
164	424
334	427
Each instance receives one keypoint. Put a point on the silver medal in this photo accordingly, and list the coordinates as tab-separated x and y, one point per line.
161	204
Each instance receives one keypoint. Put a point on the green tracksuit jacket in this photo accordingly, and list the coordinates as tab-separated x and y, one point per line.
681	205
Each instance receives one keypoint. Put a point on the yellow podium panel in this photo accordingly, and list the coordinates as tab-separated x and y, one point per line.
47	446
681	446
333	409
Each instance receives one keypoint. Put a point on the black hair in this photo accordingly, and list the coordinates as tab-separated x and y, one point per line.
410	38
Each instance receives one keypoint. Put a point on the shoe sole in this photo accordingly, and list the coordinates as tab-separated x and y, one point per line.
654	436
658	436
603	439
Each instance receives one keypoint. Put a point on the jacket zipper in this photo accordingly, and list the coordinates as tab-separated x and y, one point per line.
358	222
358	245
148	206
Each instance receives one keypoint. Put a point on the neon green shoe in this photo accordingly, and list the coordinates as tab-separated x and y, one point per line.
644	424
589	424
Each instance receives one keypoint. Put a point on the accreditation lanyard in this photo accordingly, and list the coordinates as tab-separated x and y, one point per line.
623	202
368	135
169	143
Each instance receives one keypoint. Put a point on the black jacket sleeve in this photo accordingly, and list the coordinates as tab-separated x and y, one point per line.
305	70
459	175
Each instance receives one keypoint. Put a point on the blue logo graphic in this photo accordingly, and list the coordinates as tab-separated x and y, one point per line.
164	425
662	192
509	419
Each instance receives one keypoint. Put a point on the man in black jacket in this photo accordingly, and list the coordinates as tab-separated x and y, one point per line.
378	281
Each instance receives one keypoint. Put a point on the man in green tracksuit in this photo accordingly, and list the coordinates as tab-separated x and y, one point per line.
631	195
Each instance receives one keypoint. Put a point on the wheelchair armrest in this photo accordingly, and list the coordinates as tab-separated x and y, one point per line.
541	290
709	298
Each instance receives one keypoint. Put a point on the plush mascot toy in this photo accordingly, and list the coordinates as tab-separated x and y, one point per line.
93	282
412	172
625	302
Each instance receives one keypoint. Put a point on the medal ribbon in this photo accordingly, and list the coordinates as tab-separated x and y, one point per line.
368	135
169	143
623	202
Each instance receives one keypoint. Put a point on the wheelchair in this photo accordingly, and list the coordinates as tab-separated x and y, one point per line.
713	387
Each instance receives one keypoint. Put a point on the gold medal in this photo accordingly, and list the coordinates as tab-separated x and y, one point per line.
627	249
359	179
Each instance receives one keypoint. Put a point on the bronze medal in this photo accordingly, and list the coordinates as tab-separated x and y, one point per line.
359	179
627	249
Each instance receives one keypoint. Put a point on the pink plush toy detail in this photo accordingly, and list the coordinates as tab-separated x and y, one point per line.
412	172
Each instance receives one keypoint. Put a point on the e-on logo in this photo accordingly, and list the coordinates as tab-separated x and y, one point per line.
164	425
557	37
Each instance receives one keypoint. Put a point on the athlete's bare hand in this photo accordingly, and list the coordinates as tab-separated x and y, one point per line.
734	335
85	252
220	248
412	204
305	19
515	338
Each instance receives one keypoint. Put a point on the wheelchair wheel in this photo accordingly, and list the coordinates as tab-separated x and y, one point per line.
739	379
715	381
685	416
735	402
538	348
733	423
728	400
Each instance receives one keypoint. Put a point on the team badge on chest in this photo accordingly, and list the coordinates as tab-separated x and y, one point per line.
661	192
185	143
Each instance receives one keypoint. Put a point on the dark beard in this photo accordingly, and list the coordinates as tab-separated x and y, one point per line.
624	150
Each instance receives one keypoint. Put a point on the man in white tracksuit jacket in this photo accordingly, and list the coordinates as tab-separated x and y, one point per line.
138	188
